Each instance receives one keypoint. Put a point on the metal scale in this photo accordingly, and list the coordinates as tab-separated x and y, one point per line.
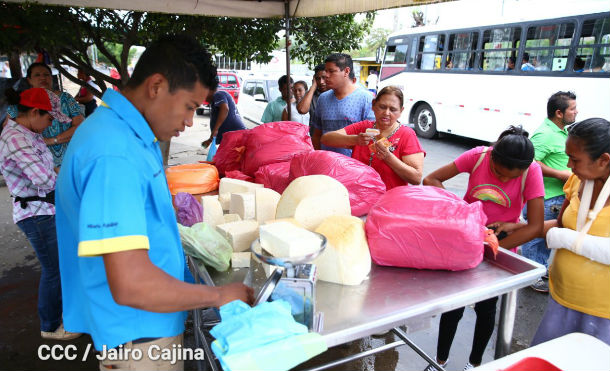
295	281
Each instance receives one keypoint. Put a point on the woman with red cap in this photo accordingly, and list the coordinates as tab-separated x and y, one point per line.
27	167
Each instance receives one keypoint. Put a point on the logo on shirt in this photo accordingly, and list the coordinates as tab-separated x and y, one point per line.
491	192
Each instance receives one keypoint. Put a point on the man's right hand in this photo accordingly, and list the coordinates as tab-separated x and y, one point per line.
235	291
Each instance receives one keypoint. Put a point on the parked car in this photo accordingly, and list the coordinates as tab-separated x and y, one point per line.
256	92
227	80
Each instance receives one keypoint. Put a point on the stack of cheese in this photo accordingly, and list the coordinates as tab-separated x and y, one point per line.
242	211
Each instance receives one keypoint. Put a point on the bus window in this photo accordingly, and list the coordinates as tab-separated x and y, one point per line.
413	54
430	52
547	47
394	60
593	54
461	51
499	48
395	54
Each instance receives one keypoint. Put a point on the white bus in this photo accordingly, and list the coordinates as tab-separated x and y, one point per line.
475	81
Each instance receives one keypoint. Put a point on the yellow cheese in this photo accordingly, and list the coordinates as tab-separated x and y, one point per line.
346	259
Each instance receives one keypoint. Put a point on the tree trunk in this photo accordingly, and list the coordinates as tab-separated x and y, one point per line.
15	65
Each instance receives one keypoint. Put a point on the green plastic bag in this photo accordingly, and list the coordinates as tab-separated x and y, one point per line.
203	242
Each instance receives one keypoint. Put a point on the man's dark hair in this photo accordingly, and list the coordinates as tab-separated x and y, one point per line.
342	61
559	101
283	80
319	68
181	59
526	57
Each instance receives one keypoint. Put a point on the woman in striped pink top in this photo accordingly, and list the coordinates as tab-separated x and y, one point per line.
27	167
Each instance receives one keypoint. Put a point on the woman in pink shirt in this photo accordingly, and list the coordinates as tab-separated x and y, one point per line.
504	178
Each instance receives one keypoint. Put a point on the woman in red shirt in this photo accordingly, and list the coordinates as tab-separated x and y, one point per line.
395	153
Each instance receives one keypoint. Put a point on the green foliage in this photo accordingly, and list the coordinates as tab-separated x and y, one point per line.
67	33
115	49
376	39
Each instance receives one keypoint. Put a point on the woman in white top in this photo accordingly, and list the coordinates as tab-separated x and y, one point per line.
299	89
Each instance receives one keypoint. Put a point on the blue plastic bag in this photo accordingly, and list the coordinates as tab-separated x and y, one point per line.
212	150
265	337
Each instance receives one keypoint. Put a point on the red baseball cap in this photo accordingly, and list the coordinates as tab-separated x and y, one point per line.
45	100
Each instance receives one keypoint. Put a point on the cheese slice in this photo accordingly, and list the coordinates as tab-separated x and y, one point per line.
229	185
231	218
239	234
311	199
243	204
266	204
346	259
285	240
212	211
241	259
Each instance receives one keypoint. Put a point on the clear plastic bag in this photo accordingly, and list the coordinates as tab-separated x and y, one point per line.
203	242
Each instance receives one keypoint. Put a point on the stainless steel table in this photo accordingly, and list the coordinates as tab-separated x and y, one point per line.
392	296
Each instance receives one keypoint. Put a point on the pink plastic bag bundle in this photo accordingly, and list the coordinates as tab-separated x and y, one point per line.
363	183
426	228
274	142
229	155
236	174
274	176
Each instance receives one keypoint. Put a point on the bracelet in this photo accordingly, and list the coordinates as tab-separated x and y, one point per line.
55	140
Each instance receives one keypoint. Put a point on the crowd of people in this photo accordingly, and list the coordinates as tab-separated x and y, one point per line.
107	227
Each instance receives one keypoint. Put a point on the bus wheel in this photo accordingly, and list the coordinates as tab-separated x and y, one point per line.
425	122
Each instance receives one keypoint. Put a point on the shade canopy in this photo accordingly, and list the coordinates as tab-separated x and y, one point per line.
243	8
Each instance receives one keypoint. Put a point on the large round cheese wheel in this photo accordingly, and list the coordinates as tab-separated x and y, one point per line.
313	198
346	259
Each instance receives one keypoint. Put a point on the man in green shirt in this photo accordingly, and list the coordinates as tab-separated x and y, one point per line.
549	143
273	111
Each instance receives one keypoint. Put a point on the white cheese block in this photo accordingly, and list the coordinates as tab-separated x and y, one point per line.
311	199
239	234
231	218
243	205
286	240
229	185
225	201
240	259
346	259
289	220
212	211
266	204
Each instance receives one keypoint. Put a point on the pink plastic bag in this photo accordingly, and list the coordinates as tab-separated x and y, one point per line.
363	183
236	174
188	210
427	228
274	142
274	176
229	154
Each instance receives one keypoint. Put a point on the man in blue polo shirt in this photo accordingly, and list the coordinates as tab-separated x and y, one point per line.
121	261
343	104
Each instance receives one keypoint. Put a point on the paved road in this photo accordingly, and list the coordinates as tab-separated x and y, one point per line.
19	274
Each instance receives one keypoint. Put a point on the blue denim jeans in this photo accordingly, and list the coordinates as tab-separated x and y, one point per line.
536	249
40	231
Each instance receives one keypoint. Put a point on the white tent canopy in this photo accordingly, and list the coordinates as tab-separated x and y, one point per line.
243	8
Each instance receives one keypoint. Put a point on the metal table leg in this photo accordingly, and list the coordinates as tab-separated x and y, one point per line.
508	308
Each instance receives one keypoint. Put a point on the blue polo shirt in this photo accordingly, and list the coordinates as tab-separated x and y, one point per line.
112	195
